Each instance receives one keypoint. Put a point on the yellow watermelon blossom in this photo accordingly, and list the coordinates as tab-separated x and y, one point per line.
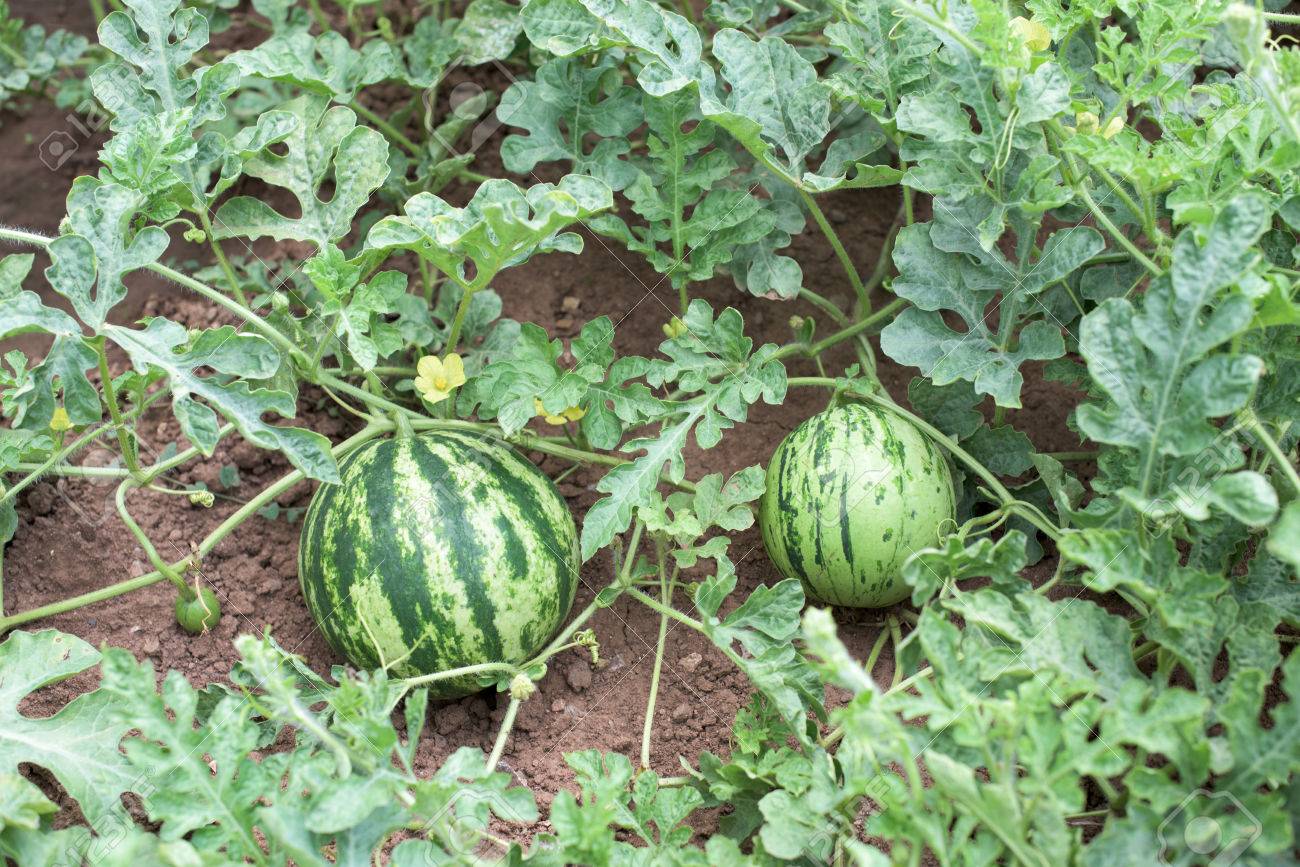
674	328
438	378
1035	36
573	413
59	421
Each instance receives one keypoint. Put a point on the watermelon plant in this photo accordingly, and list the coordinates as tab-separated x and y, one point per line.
1093	649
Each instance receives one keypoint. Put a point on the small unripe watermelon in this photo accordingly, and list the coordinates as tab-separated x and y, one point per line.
851	493
436	552
199	614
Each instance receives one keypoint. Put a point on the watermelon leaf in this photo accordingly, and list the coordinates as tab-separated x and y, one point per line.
716	367
166	346
90	261
325	145
79	743
566	104
325	64
501	226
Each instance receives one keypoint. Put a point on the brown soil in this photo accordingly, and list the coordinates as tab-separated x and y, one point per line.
69	540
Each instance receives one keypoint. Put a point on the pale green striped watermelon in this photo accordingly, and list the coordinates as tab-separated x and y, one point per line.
436	552
851	493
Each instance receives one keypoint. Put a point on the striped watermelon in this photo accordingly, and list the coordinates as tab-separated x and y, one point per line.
851	493
436	552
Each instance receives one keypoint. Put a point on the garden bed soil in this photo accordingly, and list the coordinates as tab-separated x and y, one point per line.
70	540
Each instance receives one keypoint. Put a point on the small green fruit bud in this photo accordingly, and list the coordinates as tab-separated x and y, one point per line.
198	614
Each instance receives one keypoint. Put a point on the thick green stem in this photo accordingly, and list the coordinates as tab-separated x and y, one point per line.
222	261
1149	227
453	336
166	569
34	473
846	261
1069	457
145	474
317	13
535	443
833	737
629	557
52	463
1073	177
13	54
1283	460
463	671
825	305
943	24
326	379
503	735
896	635
886	257
394	134
651	602
114	411
665	596
822	223
886	312
1100	216
876	649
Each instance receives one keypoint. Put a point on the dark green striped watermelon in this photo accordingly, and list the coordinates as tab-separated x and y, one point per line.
436	552
851	493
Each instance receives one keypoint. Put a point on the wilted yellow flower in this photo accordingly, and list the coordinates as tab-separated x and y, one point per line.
1035	36
1086	121
1112	129
59	421
522	687
573	413
438	378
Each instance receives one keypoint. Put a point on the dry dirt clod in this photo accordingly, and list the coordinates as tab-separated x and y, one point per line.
578	675
451	718
40	499
690	662
570	303
682	712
